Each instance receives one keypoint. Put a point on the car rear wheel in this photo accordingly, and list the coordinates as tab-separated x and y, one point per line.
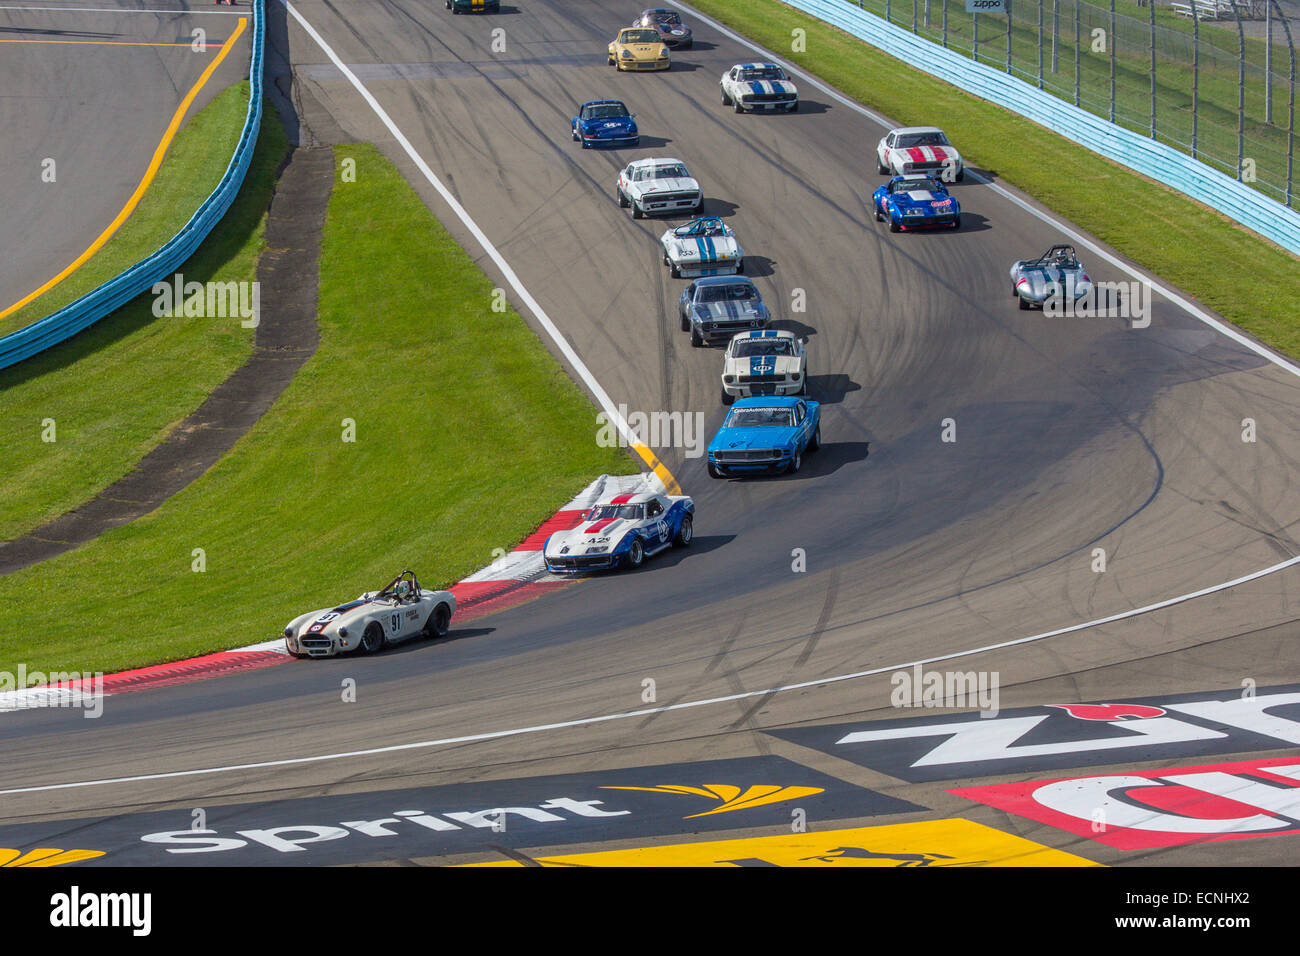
439	622
795	463
816	441
372	640
726	100
685	533
635	554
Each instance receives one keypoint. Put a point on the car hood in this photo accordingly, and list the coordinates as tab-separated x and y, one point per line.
730	311
924	199
604	531
644	50
753	436
705	248
927	154
1043	281
763	365
768	86
679	184
675	31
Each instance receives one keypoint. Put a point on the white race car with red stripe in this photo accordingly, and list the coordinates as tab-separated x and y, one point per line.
622	532
398	612
919	149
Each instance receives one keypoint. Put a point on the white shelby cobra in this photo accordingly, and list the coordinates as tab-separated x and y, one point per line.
703	247
400	611
764	362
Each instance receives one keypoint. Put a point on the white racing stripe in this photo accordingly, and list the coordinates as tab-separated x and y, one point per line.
1164	291
648	711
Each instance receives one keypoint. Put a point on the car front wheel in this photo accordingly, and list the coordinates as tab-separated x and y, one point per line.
685	533
372	640
816	441
795	463
894	226
635	554
439	622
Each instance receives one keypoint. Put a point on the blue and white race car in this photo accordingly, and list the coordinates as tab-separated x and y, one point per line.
621	532
916	201
765	434
715	308
703	247
604	123
758	87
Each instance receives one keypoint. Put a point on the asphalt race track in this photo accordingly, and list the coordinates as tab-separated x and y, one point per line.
1071	435
94	92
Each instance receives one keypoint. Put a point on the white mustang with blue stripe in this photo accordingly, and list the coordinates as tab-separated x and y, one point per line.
759	87
764	362
703	247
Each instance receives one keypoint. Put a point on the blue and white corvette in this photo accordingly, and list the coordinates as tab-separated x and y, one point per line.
758	87
703	247
916	201
622	532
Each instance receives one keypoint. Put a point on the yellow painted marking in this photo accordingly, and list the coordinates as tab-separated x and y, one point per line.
931	843
45	856
152	171
98	42
730	796
652	462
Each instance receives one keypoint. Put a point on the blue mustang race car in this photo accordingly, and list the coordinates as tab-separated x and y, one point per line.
916	201
765	434
604	123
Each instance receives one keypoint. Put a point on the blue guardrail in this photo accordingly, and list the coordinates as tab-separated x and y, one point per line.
1251	208
140	278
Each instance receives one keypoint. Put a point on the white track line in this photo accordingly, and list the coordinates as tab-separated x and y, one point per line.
602	398
1164	291
648	711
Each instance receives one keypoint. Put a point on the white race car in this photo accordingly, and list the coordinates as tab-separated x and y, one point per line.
758	86
652	186
919	149
764	362
703	247
401	610
621	532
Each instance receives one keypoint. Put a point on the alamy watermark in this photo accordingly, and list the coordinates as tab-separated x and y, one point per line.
921	688
659	429
25	690
1102	300
208	300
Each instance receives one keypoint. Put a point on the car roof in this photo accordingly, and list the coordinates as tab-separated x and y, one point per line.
769	401
758	66
603	102
764	334
917	129
640	163
722	280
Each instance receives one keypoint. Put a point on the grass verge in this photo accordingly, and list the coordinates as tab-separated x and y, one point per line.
468	434
116	390
1230	269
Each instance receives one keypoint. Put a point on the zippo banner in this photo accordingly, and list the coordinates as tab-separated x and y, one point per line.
988	6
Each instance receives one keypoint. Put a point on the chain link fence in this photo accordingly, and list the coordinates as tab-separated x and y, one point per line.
1213	78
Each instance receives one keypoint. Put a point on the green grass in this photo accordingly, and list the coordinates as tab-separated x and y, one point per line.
1197	249
116	390
468	435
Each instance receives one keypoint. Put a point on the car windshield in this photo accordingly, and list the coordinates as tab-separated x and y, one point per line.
748	348
600	512
763	73
639	36
666	17
907	185
701	227
909	140
725	293
755	417
663	171
604	111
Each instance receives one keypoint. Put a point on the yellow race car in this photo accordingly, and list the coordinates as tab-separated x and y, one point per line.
638	48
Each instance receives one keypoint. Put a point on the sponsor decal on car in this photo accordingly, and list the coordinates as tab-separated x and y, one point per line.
1140	810
1062	736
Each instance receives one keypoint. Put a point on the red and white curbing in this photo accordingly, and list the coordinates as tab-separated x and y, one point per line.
512	579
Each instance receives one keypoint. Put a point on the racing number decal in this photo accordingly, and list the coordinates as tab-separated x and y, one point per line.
662	527
395	621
